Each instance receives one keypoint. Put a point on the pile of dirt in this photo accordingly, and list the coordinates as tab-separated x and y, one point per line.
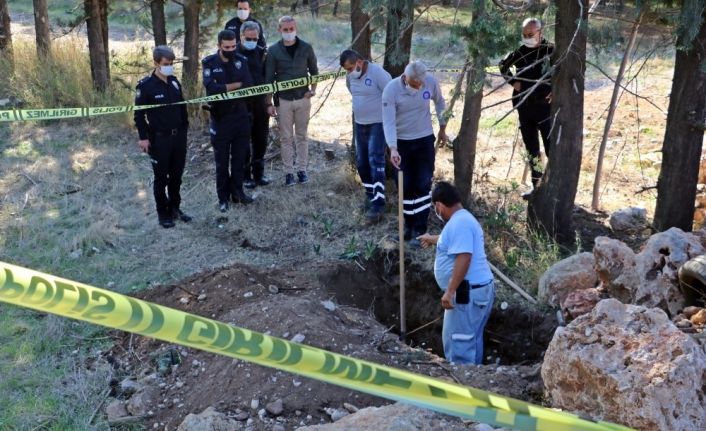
245	296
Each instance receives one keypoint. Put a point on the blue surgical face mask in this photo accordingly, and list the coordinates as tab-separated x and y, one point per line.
167	70
249	45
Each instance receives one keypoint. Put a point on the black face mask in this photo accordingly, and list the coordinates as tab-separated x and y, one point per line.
228	54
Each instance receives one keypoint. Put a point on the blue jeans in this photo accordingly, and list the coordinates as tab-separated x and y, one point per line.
418	167
462	333
370	160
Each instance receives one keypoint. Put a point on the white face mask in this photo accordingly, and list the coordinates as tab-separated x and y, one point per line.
437	215
289	37
530	42
355	74
243	14
166	70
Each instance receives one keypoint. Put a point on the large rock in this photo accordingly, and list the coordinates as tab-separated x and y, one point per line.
395	417
573	273
208	420
650	277
631	219
580	302
630	365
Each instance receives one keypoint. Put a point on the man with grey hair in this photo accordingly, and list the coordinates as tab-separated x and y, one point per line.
257	105
406	120
532	91
162	134
292	58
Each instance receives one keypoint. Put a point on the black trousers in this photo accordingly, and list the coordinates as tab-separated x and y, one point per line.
418	167
168	154
230	137
260	131
534	121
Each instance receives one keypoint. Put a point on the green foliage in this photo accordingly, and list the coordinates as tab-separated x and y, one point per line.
690	21
351	252
490	34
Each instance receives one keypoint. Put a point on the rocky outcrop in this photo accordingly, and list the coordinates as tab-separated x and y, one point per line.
573	273
649	277
630	365
395	417
208	420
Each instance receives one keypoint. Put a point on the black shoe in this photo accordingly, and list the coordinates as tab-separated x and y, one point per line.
374	214
289	180
181	215
527	195
165	221
264	181
223	207
303	178
249	184
242	198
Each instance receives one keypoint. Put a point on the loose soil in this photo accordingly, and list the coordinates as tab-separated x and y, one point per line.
241	295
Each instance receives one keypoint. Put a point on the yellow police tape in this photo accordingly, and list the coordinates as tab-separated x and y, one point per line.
47	293
62	113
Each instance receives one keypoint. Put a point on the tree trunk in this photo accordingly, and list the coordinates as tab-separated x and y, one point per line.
159	27
464	146
398	37
192	9
41	28
335	8
360	24
96	45
683	136
595	202
551	205
104	31
5	32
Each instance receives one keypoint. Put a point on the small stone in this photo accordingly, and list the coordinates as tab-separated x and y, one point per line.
184	300
699	318
336	414
115	410
261	413
76	254
273	289
350	407
129	387
254	404
329	305
504	305
195	363
251	280
298	412
202	297
249	422
179	384
276	407
242	416
298	338
683	324
296	383
278	427
690	311
248	295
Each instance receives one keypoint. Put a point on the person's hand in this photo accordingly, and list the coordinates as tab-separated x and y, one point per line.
271	111
447	301
442	139
549	97
426	240
309	94
395	158
144	145
517	86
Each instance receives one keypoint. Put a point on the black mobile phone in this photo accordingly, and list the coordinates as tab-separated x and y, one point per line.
463	293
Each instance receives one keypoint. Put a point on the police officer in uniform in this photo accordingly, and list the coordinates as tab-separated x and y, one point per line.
162	134
235	24
227	71
260	119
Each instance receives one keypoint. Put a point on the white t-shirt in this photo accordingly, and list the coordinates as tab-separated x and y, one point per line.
462	234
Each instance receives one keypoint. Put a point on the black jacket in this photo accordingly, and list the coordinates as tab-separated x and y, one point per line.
153	91
531	65
256	62
234	25
217	73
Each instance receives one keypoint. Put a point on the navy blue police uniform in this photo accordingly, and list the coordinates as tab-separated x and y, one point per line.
230	123
260	119
166	128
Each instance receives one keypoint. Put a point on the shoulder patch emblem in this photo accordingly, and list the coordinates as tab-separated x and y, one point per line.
174	83
426	95
207	72
138	93
238	64
368	82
